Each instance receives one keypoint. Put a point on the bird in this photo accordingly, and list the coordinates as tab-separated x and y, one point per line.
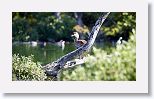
61	44
78	43
119	41
42	44
33	43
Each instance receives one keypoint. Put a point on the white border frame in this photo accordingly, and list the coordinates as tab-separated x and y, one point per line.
138	86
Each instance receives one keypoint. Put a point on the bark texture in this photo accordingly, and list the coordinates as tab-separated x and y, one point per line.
52	69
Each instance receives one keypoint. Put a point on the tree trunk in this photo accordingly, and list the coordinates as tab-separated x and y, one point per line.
57	14
78	16
52	69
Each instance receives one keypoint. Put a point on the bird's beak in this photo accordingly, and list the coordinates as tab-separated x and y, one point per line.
72	35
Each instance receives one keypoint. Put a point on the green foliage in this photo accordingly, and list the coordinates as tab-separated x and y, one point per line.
61	29
41	26
38	26
118	65
113	63
25	69
120	24
89	18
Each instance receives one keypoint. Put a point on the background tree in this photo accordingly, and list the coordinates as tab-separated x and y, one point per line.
111	61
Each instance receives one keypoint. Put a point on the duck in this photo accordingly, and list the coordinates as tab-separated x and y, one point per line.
61	44
33	43
42	44
77	41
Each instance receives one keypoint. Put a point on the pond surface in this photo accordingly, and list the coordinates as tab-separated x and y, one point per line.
44	54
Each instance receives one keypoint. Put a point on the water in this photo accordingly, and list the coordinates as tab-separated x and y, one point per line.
48	53
42	54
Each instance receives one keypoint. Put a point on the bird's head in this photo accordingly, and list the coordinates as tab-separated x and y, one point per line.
120	38
75	35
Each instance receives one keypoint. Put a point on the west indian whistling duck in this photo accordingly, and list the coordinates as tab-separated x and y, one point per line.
61	44
33	43
42	44
78	43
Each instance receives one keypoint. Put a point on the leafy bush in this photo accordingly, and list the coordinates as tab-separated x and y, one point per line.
41	26
24	68
120	24
118	65
110	63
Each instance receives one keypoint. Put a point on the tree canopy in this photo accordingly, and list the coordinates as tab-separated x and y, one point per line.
55	26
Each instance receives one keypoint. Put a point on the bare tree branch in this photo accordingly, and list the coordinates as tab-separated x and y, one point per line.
52	69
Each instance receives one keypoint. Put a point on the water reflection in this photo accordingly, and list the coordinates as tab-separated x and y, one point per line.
45	54
48	53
